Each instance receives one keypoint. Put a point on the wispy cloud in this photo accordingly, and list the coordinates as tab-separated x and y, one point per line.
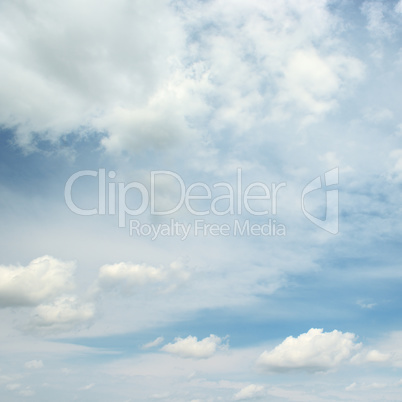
154	343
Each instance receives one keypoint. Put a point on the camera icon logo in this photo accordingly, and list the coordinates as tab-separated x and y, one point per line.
331	221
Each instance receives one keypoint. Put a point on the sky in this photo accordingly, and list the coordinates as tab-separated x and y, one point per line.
200	200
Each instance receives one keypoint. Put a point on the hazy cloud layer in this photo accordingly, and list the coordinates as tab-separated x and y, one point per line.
34	364
283	90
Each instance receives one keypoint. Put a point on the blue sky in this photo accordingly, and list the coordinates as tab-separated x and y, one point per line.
201	95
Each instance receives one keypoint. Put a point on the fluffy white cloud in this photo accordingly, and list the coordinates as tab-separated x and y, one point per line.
64	313
42	279
34	364
128	277
250	392
313	351
190	347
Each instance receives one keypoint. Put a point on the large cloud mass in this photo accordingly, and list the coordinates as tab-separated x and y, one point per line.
72	62
142	75
313	351
42	279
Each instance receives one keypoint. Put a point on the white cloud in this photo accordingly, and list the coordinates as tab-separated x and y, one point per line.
63	314
128	277
154	343
312	81
370	356
362	304
387	350
161	122
313	351
190	347
376	21
34	364
376	356
275	53
42	279
249	392
398	7
132	274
